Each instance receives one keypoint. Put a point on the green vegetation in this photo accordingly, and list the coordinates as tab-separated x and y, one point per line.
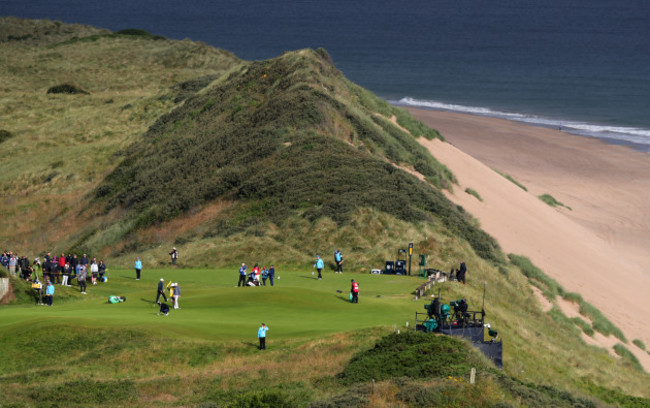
550	200
584	325
512	180
627	355
639	344
474	193
550	288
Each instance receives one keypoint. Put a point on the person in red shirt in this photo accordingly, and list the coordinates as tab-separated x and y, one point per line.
355	292
59	271
257	271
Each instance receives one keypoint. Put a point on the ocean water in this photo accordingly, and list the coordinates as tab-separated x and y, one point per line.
581	65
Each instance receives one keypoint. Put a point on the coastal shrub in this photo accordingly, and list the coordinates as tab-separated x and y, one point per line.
639	344
474	193
67	89
627	355
414	355
5	135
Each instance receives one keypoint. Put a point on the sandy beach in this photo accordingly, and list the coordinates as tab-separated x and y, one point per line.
597	246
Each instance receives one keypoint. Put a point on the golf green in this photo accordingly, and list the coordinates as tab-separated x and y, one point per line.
214	308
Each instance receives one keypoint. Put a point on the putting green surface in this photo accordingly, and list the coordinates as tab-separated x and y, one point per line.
213	308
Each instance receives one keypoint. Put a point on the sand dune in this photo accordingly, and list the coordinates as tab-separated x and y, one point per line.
598	247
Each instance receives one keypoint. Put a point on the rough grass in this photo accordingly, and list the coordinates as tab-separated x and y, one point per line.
211	341
627	355
551	289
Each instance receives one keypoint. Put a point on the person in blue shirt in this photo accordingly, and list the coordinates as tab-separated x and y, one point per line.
138	268
319	265
271	274
242	275
338	258
49	293
261	334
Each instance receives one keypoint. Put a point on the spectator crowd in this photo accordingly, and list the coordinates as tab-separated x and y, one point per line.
55	269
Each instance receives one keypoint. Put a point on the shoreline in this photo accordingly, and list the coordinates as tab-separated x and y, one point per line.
614	135
598	247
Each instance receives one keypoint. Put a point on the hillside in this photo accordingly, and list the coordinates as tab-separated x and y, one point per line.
178	143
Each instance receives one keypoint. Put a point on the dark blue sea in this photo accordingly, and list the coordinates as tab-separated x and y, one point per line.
580	64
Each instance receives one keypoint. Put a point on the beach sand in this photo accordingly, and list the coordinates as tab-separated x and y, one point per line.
598	247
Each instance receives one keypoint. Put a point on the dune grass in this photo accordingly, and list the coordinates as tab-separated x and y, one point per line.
639	343
473	192
550	200
512	180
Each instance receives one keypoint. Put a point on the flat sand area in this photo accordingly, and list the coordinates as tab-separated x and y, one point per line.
598	247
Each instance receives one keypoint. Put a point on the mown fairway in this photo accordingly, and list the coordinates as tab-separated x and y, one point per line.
212	308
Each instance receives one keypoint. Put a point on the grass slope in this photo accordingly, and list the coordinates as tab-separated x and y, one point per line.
85	352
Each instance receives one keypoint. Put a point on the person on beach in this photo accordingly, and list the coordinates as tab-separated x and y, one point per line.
161	291
355	292
242	275
460	273
49	293
319	265
138	268
261	334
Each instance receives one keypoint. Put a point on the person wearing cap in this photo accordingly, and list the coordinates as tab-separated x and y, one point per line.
271	274
338	258
355	291
242	275
161	291
177	294
261	334
319	265
174	255
138	268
